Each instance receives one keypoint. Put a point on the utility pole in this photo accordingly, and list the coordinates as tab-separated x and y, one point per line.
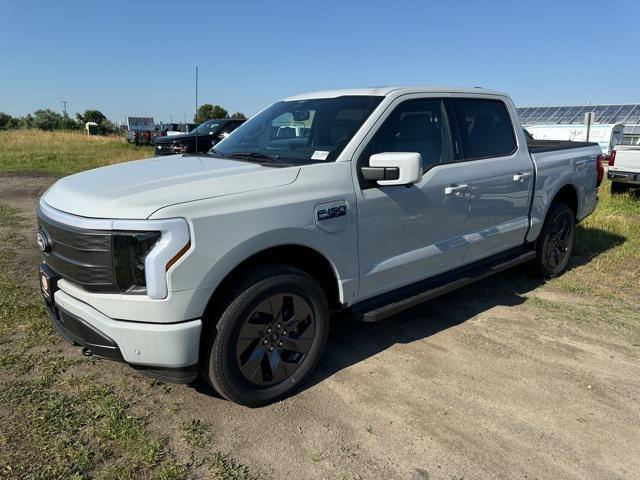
589	118
64	106
196	116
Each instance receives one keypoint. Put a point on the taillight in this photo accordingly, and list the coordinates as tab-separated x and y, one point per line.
612	158
599	169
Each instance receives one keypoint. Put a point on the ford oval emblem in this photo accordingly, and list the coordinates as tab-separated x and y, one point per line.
43	241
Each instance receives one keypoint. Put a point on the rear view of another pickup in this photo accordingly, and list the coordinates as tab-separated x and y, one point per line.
624	168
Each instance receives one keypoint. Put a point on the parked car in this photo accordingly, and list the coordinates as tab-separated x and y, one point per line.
200	139
624	168
231	263
169	129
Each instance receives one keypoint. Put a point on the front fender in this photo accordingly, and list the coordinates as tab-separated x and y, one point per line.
308	238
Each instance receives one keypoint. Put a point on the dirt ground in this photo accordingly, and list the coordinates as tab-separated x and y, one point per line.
491	381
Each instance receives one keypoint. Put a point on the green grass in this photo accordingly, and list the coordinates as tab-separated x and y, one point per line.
606	260
63	153
9	216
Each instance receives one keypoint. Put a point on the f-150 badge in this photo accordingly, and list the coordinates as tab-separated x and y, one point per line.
332	216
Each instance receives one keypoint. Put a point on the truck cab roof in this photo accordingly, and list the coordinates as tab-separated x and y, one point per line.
397	90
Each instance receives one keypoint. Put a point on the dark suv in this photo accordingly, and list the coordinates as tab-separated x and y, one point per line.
201	139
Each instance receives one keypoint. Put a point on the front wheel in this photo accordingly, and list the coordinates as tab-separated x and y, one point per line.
556	241
269	338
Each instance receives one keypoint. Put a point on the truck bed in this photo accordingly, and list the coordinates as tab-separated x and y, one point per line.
539	146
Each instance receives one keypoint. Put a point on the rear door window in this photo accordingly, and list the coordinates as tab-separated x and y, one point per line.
484	128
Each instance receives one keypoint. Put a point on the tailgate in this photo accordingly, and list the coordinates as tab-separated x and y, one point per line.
627	158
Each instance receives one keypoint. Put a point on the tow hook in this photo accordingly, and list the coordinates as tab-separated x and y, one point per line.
86	352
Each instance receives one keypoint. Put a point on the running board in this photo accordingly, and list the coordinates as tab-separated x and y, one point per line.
386	305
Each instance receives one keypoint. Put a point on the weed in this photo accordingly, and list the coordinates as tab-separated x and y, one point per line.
195	433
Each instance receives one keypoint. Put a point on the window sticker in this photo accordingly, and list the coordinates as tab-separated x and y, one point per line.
320	155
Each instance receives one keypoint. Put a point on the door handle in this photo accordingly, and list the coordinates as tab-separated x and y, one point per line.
455	189
521	177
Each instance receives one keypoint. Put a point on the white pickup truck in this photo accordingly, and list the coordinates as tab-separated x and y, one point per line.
624	168
229	264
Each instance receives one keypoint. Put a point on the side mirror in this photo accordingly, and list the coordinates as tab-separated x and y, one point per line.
394	168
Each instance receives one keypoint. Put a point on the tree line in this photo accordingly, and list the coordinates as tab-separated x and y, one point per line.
206	111
47	119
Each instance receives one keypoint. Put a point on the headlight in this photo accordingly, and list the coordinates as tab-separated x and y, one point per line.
129	253
145	250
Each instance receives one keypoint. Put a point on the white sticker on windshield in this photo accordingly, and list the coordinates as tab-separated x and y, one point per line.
320	155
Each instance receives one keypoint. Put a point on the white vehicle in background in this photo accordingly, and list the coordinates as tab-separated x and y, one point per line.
605	135
624	168
171	129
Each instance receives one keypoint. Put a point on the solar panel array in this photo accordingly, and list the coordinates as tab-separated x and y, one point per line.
625	113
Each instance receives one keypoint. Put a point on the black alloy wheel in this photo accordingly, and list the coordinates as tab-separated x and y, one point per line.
556	240
275	338
560	239
266	336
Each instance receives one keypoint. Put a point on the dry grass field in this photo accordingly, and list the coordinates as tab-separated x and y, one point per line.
511	377
63	153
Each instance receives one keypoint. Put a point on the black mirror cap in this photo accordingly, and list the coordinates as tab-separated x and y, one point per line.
373	174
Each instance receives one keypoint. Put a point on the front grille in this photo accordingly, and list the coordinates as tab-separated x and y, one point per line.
81	256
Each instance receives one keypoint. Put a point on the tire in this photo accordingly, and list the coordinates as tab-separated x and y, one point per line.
556	241
269	337
618	188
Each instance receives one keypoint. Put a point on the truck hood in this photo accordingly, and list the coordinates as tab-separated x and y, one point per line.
137	189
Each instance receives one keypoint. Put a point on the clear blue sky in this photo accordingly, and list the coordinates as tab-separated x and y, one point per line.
138	58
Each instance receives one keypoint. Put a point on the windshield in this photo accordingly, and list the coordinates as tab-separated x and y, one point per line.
300	130
207	127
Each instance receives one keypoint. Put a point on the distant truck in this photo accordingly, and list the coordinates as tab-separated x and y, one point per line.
200	139
605	135
624	168
141	130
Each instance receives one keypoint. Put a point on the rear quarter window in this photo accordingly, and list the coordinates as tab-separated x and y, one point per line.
484	128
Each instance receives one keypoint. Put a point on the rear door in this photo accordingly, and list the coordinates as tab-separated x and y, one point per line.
500	175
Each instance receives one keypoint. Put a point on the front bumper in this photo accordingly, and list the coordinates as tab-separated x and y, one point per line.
624	177
167	150
168	352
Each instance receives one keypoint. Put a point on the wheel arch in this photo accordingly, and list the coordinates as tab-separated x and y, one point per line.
568	195
303	257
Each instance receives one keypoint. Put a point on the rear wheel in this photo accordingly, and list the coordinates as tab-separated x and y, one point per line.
269	338
556	241
618	188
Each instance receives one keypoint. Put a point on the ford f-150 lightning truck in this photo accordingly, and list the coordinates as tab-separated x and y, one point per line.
370	201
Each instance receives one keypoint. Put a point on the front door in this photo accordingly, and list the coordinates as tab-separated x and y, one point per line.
406	234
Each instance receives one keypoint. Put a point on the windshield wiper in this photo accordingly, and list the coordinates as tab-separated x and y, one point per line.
255	154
